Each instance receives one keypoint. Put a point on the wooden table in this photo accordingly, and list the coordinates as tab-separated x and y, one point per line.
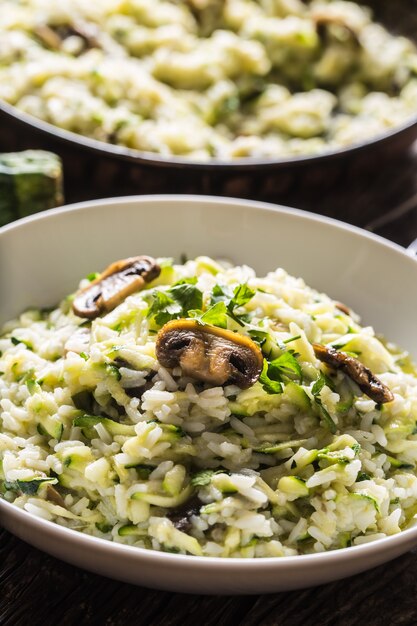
38	589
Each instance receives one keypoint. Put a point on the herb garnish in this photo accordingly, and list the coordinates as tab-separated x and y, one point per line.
274	373
241	295
322	381
176	302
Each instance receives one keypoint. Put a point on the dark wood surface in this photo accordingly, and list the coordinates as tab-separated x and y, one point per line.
38	589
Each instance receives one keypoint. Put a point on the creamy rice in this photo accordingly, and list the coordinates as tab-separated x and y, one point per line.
98	436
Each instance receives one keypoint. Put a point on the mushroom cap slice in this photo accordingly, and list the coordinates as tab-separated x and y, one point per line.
181	516
119	280
342	307
209	353
361	375
52	36
48	36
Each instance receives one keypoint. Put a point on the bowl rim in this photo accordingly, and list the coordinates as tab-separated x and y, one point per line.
24	518
209	200
212	165
207	562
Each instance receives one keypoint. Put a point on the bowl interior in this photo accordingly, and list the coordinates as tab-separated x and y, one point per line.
42	258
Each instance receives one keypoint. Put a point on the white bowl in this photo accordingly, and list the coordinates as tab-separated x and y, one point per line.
42	258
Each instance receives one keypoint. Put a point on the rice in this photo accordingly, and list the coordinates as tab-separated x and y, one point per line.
98	436
205	79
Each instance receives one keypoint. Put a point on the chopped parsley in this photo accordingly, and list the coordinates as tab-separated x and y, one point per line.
215	315
241	295
174	303
276	372
322	381
15	341
362	476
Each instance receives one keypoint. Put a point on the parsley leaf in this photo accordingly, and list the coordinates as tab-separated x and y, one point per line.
187	295
113	370
325	415
275	372
215	315
322	381
362	476
15	341
269	385
285	365
291	339
160	302
266	342
241	296
219	294
258	336
176	302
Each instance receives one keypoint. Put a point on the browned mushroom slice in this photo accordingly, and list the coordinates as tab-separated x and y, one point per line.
181	516
209	353
361	375
118	281
54	496
342	307
48	36
53	36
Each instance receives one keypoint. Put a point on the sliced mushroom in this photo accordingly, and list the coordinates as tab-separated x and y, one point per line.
118	281
361	375
54	496
53	36
181	516
48	36
209	353
342	307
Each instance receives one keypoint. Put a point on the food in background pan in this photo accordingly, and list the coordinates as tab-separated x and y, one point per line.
208	79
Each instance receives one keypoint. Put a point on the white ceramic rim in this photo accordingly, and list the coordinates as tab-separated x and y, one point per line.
207	563
209	199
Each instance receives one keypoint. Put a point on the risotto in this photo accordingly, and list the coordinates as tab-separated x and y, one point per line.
208	79
197	408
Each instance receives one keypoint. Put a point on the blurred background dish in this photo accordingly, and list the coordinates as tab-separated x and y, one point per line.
209	81
96	169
